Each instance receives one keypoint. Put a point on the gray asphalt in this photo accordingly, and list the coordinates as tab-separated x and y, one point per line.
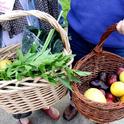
39	117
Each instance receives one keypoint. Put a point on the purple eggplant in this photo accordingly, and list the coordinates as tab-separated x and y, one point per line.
99	84
102	76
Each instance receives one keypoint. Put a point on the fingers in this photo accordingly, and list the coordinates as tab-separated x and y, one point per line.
120	27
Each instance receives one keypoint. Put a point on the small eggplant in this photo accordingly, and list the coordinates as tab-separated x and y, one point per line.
99	84
103	86
102	76
94	83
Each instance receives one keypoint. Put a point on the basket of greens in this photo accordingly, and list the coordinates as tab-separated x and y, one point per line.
39	77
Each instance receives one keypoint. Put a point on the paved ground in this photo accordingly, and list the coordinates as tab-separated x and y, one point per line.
40	118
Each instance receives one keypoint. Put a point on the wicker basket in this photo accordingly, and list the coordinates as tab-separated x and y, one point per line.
35	94
95	62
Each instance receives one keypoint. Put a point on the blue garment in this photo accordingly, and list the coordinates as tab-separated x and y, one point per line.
90	18
80	47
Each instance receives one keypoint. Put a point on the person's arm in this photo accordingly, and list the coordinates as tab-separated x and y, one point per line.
120	27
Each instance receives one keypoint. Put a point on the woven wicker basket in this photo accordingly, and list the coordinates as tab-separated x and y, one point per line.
95	62
35	94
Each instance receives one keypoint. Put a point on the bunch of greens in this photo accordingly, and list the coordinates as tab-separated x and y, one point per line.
52	67
43	58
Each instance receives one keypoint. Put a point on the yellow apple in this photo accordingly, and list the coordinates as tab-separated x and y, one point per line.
122	99
95	95
117	89
121	76
4	63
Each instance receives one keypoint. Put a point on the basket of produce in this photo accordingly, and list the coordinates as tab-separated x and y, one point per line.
37	78
100	96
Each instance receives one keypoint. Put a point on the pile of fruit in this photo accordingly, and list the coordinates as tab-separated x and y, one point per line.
107	87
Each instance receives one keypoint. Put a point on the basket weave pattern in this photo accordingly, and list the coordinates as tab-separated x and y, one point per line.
95	62
30	94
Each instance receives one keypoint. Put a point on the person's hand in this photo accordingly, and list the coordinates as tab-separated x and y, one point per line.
120	27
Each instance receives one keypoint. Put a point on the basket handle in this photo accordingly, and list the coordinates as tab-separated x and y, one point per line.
15	14
99	46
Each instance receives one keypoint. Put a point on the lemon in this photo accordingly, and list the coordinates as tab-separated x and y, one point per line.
95	95
122	99
117	89
4	63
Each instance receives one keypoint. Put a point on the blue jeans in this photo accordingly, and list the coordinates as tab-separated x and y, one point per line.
81	47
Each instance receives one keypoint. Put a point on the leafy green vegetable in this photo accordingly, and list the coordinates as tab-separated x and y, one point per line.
52	67
41	56
65	82
65	6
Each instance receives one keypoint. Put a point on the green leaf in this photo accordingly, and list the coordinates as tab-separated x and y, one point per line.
52	80
40	54
16	63
42	68
71	76
65	82
69	73
49	37
20	55
75	79
44	59
28	68
10	72
29	57
34	47
45	76
82	73
31	74
18	77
